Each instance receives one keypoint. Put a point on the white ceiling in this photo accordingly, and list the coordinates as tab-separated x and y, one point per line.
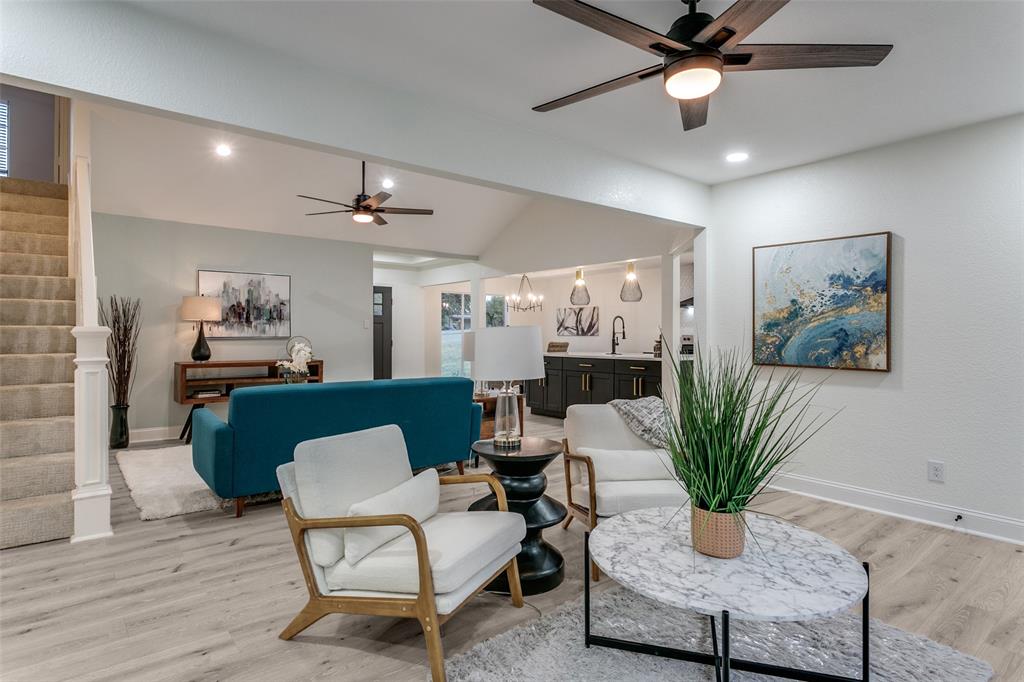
953	63
155	167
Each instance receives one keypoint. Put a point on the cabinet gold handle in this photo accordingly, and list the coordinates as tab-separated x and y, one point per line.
584	364
634	387
583	382
641	385
640	369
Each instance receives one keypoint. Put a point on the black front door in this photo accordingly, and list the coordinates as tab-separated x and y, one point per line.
382	332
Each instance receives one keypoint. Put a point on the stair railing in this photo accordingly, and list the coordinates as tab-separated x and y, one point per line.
92	492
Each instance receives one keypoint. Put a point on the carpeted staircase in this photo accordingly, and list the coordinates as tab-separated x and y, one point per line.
37	392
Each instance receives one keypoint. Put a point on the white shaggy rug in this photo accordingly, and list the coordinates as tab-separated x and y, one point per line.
163	482
551	648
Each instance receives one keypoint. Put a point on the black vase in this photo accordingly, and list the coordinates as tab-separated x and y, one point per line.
118	426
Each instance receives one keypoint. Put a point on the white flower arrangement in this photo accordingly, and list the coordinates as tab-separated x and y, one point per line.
299	364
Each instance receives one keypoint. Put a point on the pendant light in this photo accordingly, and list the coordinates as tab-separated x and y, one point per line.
631	292
580	295
524	300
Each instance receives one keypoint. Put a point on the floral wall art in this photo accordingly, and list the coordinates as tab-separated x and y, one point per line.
576	321
823	303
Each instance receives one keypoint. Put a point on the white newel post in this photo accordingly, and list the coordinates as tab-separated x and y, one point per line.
92	483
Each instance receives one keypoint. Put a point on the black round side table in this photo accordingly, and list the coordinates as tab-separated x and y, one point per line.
521	473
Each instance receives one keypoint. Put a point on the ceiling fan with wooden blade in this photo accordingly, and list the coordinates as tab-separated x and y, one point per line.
699	48
365	208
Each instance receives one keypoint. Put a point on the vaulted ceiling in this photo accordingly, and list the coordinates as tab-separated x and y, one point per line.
954	63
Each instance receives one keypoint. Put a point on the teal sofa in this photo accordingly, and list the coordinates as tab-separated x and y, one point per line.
438	417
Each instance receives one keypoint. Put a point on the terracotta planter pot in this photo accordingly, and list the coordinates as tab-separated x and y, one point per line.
717	534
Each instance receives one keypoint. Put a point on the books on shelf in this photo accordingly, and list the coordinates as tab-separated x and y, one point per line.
206	394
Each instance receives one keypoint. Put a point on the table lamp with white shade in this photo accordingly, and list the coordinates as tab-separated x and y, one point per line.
469	355
200	309
506	354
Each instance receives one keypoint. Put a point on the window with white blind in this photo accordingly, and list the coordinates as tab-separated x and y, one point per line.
3	138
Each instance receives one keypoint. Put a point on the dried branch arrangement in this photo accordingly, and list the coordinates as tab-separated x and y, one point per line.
123	316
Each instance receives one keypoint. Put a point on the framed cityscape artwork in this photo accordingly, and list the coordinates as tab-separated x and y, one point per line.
253	305
576	321
823	303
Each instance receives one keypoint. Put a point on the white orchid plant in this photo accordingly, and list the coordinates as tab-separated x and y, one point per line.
299	363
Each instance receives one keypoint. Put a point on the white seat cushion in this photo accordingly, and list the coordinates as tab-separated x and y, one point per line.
616	497
629	465
460	544
418	497
449	601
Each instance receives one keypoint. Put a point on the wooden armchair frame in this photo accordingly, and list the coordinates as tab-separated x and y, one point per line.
587	514
423	607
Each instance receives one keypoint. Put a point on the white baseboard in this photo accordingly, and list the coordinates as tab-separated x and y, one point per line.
984	524
154	434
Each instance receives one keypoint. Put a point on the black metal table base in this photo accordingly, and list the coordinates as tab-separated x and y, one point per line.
724	663
186	430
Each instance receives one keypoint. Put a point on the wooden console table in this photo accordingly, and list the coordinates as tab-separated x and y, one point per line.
200	383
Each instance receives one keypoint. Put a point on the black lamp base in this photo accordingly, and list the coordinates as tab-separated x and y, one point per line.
201	351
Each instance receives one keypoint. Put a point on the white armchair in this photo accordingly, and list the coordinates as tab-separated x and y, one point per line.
370	540
610	470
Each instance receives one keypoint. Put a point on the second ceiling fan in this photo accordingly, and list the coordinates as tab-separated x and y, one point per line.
698	48
367	209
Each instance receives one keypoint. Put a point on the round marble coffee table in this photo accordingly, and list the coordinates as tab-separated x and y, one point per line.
788	574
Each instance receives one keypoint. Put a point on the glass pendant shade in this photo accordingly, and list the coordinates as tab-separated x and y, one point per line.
631	291
579	295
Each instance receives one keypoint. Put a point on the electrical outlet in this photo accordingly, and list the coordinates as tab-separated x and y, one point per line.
936	471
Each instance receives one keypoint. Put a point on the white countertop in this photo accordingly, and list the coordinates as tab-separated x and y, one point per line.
617	356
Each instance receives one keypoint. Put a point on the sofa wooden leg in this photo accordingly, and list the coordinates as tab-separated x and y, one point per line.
462	467
306	617
435	650
239	506
568	520
515	587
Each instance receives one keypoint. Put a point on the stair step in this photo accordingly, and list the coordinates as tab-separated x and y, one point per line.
36	368
26	242
26	311
26	203
37	287
36	519
37	475
36	188
33	264
36	223
36	338
24	437
34	401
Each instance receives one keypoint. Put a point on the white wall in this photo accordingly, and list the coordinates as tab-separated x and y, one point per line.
157	262
30	132
122	52
407	326
643	318
956	392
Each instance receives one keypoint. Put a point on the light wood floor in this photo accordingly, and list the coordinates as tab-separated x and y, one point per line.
204	596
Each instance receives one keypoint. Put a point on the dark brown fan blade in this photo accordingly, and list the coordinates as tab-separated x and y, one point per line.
694	112
376	200
330	212
768	57
407	211
328	201
616	27
737	22
607	86
379	219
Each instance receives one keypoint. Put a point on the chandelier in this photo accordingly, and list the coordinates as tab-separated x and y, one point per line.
525	300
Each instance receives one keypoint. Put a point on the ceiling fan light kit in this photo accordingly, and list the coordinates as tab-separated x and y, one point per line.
367	209
699	48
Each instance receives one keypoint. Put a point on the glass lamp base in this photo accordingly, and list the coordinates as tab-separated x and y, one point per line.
506	419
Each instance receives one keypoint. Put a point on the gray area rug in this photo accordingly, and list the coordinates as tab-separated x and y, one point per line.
551	648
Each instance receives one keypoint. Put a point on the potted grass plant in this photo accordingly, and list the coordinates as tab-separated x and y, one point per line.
123	316
734	425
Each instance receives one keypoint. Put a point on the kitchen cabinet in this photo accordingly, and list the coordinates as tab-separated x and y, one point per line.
591	380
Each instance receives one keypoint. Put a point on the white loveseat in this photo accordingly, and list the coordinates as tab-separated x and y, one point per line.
610	470
370	540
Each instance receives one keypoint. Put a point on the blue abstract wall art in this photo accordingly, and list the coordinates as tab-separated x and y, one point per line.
823	303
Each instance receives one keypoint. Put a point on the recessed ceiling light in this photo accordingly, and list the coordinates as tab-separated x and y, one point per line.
737	157
388	183
223	150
